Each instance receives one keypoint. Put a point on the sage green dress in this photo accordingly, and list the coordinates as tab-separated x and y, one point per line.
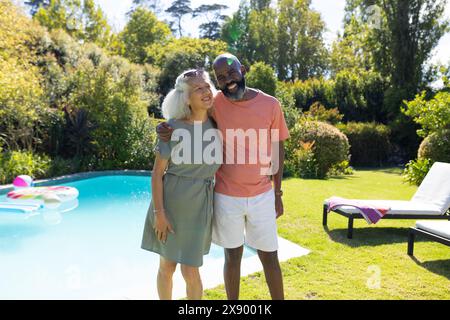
187	193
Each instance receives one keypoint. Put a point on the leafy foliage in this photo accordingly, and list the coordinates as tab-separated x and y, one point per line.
179	55
331	146
288	38
262	76
70	100
416	170
319	113
436	147
81	19
369	143
15	163
143	30
302	163
433	115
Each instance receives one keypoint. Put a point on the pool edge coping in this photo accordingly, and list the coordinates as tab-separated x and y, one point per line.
4	189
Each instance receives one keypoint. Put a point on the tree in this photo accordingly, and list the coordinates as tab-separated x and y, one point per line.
250	33
402	40
351	50
259	4
288	38
142	30
235	32
96	27
36	4
396	38
154	5
82	20
301	50
178	10
414	28
212	12
263	36
181	54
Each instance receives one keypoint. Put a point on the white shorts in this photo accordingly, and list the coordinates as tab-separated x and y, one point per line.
239	220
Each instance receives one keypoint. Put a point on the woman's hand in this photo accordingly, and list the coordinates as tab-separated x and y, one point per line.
162	226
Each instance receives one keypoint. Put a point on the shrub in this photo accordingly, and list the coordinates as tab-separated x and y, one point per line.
319	113
60	166
142	141
331	146
342	168
312	90
113	99
72	100
369	143
21	94
360	95
404	138
262	77
433	115
436	146
285	95
15	163
416	170
302	163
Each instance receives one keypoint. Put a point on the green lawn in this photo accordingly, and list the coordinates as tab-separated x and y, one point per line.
340	268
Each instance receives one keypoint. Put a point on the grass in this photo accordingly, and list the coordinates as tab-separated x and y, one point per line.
372	265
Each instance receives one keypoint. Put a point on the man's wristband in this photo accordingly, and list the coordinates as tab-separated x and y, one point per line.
279	192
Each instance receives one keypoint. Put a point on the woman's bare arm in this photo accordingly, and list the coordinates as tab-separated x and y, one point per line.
162	225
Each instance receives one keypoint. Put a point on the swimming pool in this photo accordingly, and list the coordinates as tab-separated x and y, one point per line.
91	252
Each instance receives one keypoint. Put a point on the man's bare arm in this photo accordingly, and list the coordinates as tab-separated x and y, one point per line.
277	179
164	131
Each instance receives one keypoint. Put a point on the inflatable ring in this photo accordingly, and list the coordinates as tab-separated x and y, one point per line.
50	197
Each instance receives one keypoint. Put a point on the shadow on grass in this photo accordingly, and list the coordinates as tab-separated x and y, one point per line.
330	178
363	237
390	170
441	267
344	177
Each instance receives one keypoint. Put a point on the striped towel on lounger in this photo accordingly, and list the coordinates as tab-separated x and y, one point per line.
371	213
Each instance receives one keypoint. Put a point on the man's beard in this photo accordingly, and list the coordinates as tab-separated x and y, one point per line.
239	94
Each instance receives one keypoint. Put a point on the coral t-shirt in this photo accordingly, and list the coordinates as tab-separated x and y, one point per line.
248	129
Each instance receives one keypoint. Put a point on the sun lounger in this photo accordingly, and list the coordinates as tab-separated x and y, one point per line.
431	201
438	231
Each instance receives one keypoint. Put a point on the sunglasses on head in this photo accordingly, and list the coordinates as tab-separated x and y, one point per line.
193	73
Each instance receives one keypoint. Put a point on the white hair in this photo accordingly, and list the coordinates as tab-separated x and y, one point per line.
176	102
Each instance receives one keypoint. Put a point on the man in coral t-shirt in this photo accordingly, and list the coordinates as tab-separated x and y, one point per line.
246	205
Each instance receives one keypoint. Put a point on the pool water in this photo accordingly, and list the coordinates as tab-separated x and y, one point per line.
91	252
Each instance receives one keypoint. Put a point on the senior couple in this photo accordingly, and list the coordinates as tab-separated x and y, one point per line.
229	202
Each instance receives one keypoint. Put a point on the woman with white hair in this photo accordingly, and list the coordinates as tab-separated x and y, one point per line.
178	224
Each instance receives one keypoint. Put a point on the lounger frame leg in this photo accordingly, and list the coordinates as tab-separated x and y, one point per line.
325	215
350	228
411	237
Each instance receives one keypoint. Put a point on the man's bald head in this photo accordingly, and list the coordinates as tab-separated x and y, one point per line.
230	76
229	59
